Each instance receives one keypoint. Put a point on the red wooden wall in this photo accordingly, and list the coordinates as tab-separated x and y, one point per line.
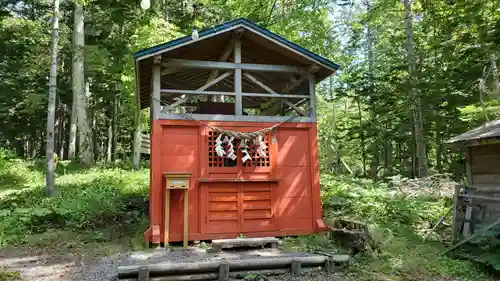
276	196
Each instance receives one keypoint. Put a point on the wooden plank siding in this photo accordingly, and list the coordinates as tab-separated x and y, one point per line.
145	144
484	203
479	204
485	165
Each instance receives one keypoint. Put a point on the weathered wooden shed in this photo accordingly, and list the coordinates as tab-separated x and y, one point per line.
211	177
477	201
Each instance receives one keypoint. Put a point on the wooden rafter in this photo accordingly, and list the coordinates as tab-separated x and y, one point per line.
238	99
273	93
294	83
200	90
296	104
224	57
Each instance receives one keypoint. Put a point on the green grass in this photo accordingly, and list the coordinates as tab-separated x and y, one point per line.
397	225
89	214
90	205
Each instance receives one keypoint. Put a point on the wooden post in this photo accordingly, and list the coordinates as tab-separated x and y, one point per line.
312	93
454	223
238	105
167	216
468	179
156	96
186	217
224	271
330	265
296	267
143	274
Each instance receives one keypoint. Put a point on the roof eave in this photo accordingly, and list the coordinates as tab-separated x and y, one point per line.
207	33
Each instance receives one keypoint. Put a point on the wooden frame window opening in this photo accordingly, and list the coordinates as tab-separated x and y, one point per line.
233	91
214	161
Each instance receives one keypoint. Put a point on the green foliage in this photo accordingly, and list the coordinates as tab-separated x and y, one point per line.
395	223
88	200
254	277
9	275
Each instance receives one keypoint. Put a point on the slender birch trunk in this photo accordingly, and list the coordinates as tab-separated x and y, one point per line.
49	177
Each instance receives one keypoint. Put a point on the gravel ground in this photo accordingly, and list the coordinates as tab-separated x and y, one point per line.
73	267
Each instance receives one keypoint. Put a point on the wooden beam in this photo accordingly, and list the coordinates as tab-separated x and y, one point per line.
273	93
454	225
223	57
201	89
170	70
235	65
233	118
468	179
275	96
238	104
312	93
156	82
296	82
297	104
292	85
482	231
198	92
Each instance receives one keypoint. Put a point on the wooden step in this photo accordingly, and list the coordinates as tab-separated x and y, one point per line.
218	245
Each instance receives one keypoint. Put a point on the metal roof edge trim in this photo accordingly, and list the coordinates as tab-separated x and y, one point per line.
247	24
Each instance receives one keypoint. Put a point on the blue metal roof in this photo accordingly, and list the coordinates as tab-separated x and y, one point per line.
233	23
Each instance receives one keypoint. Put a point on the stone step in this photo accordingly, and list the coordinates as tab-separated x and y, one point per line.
218	245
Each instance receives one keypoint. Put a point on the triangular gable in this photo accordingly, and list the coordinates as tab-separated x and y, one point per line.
232	25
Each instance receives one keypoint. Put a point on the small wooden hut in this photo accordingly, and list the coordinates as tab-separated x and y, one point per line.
234	147
477	201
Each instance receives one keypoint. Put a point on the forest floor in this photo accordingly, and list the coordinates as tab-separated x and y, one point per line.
87	265
91	226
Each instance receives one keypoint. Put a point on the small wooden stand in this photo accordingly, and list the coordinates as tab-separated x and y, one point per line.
176	181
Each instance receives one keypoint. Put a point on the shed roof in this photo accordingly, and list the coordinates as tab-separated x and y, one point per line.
259	46
486	131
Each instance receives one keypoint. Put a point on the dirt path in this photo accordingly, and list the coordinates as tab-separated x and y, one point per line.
36	265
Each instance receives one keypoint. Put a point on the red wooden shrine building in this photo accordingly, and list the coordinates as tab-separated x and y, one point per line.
205	184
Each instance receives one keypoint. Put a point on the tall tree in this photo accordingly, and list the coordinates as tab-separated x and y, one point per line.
84	132
423	169
51	112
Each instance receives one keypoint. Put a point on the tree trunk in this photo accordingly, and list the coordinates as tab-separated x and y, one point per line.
110	141
73	128
85	135
51	112
388	157
374	148
57	125
494	72
423	169
337	164
362	135
62	121
399	158
411	147
95	144
439	146
114	128
137	137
